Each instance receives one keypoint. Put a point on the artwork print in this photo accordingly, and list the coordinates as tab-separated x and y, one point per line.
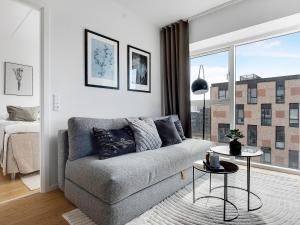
139	64
18	79
101	61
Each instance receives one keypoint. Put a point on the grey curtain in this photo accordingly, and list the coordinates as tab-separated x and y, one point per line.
176	72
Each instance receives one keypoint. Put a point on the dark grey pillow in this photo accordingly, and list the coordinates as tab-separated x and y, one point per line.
179	129
111	143
167	132
17	113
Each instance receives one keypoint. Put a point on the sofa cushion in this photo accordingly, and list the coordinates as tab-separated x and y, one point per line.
80	134
167	132
114	142
114	179
179	129
145	134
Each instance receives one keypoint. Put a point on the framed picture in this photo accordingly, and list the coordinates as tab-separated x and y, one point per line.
18	79
101	61
139	70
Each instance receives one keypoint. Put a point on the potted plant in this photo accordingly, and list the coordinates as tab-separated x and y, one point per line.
234	145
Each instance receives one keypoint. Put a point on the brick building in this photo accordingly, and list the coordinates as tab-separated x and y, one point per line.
267	112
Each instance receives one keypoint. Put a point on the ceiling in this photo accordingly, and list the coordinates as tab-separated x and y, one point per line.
163	12
17	19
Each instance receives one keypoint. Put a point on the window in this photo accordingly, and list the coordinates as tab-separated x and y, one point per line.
266	157
294	114
223	94
252	135
266	114
279	144
252	95
239	119
264	86
218	89
294	159
223	129
279	92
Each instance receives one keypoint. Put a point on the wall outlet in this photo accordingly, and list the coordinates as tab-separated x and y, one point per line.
56	103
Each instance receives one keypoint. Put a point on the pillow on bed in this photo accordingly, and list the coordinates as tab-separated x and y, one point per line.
17	113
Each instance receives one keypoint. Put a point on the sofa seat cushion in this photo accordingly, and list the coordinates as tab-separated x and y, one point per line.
112	180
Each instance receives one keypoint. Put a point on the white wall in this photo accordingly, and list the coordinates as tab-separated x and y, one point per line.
241	15
68	19
21	47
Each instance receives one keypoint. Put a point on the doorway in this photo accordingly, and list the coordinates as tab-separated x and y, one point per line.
21	100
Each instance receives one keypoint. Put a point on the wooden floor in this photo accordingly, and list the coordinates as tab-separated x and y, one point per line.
37	209
12	189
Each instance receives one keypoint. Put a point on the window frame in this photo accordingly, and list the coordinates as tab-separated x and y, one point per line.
248	135
263	119
292	124
297	160
208	47
262	158
250	97
277	97
237	108
219	126
277	136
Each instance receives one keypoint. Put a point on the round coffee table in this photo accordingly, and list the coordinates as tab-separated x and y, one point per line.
229	168
247	153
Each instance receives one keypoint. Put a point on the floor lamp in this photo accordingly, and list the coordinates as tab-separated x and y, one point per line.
199	87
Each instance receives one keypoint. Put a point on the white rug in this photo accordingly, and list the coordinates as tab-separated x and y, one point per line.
280	195
32	181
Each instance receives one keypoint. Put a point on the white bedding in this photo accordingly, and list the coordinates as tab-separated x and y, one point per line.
13	127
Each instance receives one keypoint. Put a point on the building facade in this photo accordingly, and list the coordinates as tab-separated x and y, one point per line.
267	112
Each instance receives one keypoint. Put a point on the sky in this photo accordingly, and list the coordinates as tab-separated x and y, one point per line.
274	57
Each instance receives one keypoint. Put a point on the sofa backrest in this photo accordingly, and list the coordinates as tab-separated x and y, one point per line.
80	134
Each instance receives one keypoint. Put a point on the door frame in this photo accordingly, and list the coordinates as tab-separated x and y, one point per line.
45	94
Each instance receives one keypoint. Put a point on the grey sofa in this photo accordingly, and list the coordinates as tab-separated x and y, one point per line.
116	190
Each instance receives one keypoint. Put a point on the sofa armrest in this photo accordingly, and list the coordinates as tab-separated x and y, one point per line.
63	152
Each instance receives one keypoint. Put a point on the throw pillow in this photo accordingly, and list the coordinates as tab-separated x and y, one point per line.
17	113
145	134
113	143
179	129
167	132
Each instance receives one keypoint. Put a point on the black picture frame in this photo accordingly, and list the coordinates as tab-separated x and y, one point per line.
6	65
86	51
129	58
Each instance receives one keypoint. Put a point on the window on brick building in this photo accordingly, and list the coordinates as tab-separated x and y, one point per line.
280	137
280	92
266	114
252	95
266	157
294	114
239	110
294	159
223	130
252	135
223	94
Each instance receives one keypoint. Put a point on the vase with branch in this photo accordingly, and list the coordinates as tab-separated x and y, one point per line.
19	76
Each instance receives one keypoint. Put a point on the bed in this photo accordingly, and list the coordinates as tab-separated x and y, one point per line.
19	147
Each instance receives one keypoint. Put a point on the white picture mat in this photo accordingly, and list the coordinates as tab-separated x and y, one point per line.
11	83
100	81
132	72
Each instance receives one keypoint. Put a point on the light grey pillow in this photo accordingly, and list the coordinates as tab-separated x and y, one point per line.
17	113
145	134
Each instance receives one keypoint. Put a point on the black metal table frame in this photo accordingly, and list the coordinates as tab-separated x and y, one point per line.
225	198
249	192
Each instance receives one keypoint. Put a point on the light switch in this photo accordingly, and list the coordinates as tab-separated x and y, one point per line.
56	103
